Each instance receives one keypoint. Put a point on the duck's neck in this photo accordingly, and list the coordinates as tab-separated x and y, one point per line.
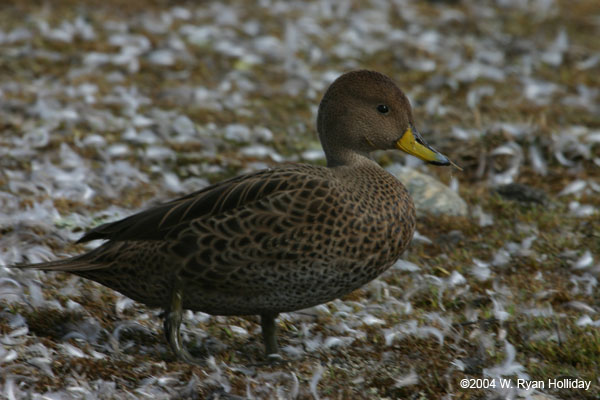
347	158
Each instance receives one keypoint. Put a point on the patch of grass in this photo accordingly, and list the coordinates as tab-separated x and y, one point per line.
50	323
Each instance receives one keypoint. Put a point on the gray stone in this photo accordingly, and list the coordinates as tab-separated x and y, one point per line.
430	195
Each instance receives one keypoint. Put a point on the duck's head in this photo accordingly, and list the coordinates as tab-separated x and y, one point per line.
363	111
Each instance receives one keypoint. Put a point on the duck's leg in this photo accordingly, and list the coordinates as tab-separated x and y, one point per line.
172	324
269	332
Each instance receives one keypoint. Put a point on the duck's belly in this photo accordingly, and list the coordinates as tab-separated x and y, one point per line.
251	289
281	291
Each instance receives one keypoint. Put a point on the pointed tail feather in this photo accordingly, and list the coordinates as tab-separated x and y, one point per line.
73	264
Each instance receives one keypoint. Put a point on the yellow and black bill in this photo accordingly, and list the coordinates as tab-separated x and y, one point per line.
413	143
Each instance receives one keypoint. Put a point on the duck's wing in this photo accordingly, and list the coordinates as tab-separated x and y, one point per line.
158	222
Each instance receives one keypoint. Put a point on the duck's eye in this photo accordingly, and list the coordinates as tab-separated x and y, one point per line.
382	108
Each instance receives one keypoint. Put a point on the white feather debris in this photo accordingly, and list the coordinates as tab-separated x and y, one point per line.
539	91
514	131
159	153
217	376
581	306
581	210
538	163
417	237
336	342
18	332
540	312
162	57
411	328
44	364
475	95
314	381
585	261
238	133
261	151
586	320
412	378
525	248
88	330
484	219
7	356
508	367
499	311
313	343
118	150
72	351
238	330
472	71
574	187
371	320
184	128
10	289
589	62
122	304
128	325
407	266
293	351
459	364
554	55
36	295
481	270
515	153
584	99
456	279
501	258
588	281
11	390
313	155
295	386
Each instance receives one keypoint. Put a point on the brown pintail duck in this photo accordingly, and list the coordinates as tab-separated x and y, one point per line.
276	240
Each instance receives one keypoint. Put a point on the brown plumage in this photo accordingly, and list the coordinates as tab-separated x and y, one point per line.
276	240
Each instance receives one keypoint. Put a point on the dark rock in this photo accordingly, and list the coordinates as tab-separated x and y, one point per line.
522	193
